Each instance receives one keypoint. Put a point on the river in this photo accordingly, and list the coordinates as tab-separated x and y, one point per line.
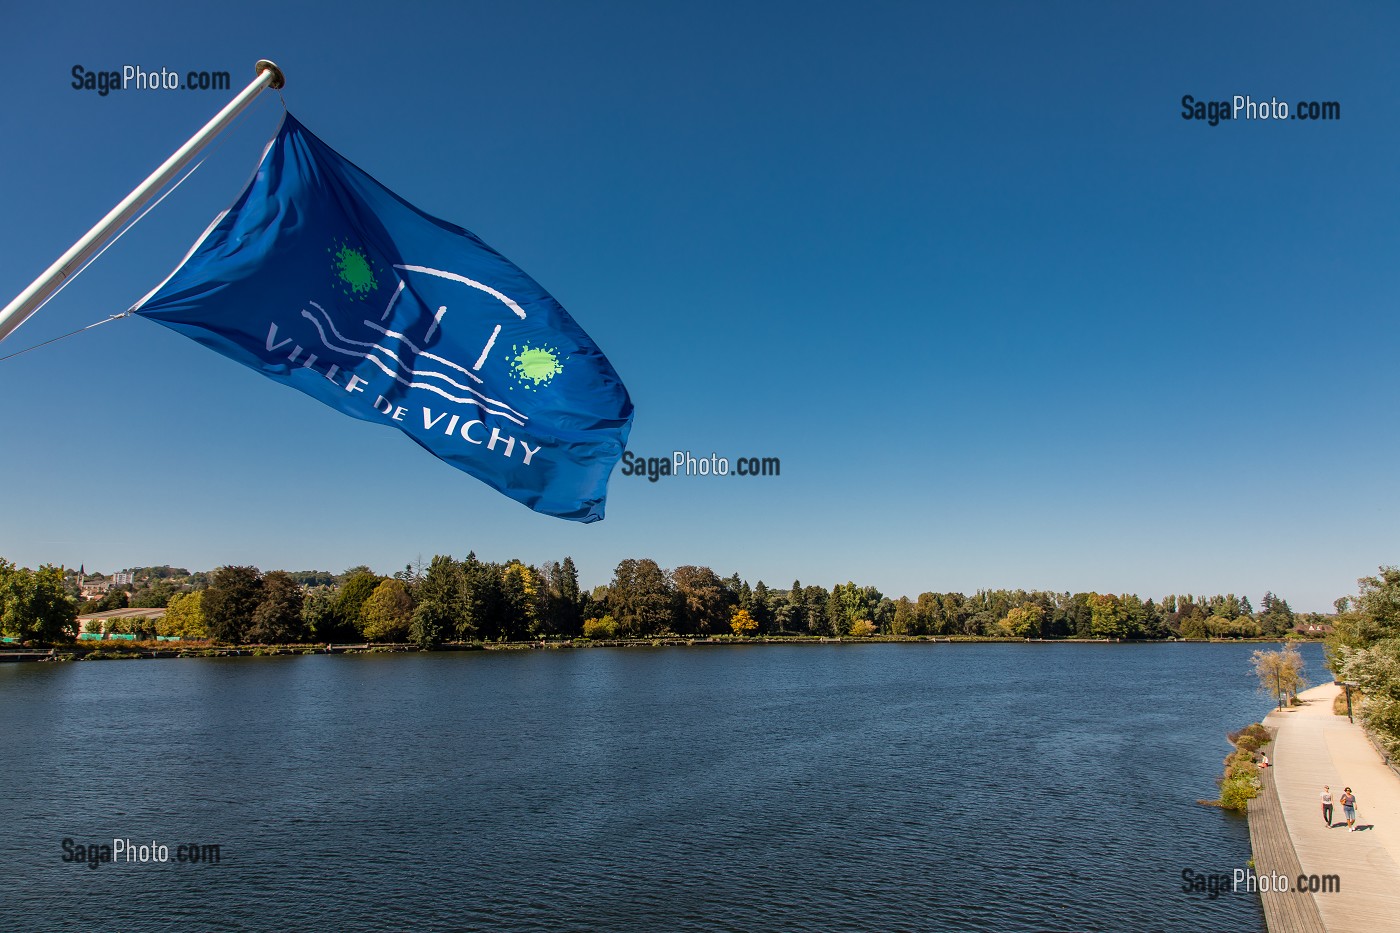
981	787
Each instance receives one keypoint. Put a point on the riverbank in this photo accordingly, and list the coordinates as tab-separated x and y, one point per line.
1312	747
135	650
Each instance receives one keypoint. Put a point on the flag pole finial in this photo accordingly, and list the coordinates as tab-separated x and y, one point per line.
279	80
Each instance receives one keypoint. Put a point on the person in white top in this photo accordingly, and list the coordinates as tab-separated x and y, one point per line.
1327	805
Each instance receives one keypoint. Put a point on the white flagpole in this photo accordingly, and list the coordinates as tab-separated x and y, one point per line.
29	300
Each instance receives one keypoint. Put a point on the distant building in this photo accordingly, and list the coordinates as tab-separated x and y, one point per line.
102	621
1314	628
123	578
95	588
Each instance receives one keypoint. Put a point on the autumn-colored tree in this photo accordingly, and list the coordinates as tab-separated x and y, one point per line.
742	623
184	618
606	627
388	612
1023	621
862	628
1280	672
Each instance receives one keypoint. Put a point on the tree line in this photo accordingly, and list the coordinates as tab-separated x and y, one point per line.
1365	649
471	599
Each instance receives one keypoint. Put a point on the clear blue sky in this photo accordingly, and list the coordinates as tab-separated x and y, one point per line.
1006	317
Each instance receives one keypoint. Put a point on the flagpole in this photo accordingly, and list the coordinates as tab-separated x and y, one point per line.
29	300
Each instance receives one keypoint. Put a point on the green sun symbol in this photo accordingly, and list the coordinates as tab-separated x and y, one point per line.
534	367
353	269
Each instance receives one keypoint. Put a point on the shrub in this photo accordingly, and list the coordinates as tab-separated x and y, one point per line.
1236	792
606	627
1249	743
862	628
1240	783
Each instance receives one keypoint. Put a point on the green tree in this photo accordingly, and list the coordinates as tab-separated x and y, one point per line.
1275	615
184	617
313	578
229	603
114	599
815	599
1372	616
905	620
848	603
388	612
560	603
34	604
762	608
792	614
278	618
1024	621
641	598
1365	648
318	617
484	601
571	597
521	599
1194	627
1108	618
1219	626
155	596
928	615
704	604
441	603
350	601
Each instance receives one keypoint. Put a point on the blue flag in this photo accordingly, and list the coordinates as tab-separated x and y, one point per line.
322	279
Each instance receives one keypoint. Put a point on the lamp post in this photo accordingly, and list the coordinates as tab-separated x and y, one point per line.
1348	686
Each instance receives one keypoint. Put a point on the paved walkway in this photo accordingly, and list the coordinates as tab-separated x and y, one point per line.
1313	747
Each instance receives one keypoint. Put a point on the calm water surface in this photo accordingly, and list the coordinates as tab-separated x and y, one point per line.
824	788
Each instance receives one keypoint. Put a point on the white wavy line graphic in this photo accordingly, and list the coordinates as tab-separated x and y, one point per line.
385	350
412	372
509	413
432	388
423	353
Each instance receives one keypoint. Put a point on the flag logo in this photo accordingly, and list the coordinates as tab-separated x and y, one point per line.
353	270
533	367
419	325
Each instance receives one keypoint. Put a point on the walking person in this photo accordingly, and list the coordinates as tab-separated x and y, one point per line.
1327	805
1349	808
